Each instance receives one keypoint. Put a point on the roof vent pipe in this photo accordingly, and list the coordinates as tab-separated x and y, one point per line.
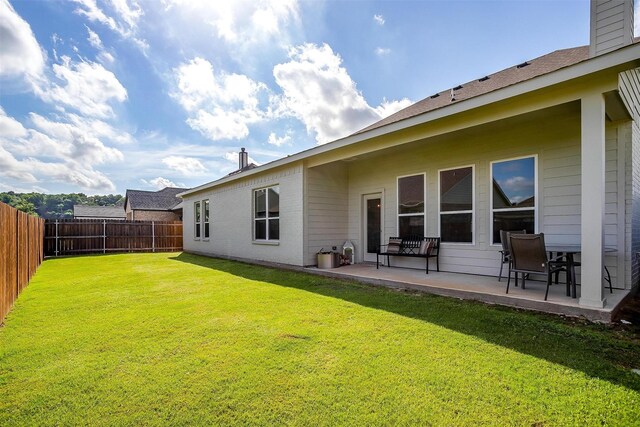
243	159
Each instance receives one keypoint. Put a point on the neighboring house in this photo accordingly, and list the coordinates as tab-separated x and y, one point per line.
160	205
98	212
551	145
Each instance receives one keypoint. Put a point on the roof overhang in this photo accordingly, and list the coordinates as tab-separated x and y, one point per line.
626	55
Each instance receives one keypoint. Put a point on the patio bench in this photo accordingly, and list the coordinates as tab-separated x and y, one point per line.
412	246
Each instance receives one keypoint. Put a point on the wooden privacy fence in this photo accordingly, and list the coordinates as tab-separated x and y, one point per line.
21	244
85	236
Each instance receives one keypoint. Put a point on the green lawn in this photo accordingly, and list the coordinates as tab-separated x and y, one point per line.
178	339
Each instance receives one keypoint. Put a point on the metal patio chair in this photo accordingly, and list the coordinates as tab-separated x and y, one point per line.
529	256
504	252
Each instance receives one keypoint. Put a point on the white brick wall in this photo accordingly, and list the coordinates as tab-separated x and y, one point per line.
232	218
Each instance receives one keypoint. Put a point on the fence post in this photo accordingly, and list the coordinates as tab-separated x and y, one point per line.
28	249
104	236
153	236
17	255
56	251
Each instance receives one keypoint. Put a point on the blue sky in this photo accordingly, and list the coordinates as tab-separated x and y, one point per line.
100	96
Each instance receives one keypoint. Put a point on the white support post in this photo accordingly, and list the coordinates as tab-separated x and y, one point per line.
104	236
153	236
593	200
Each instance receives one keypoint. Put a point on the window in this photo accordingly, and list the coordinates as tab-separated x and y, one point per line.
513	196
196	219
266	213
456	205
205	214
411	205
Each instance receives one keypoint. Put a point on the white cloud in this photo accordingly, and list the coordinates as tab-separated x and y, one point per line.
12	168
279	141
74	174
20	53
64	150
63	147
73	142
87	87
99	129
105	57
91	11
185	165
271	16
25	171
94	39
382	51
379	19
160	183
220	106
31	189
241	23
130	14
319	92
55	39
123	22
387	108
10	127
316	89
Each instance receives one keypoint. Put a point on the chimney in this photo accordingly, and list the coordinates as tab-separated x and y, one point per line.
611	25
243	159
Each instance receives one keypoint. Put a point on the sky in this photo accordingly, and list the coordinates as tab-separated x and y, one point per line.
100	96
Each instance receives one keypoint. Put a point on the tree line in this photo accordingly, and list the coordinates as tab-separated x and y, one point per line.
60	206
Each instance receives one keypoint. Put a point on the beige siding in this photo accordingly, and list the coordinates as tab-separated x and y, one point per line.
231	218
553	136
611	25
629	88
327	208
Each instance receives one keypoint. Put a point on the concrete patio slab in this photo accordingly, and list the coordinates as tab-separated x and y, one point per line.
480	288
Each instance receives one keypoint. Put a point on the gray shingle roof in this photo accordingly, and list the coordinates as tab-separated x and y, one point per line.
246	168
85	211
163	200
510	76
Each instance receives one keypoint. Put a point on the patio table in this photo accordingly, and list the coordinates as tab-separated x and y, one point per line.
570	250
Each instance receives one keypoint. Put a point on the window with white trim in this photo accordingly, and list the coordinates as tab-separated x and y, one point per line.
513	205
266	213
411	205
205	218
456	205
196	219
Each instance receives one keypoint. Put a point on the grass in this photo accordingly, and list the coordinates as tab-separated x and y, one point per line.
154	339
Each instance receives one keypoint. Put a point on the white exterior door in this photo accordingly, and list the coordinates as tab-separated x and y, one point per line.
372	225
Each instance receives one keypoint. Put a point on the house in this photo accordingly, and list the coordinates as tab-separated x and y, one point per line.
162	205
99	212
549	145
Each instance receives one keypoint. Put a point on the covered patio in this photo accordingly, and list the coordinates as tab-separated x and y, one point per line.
567	164
480	288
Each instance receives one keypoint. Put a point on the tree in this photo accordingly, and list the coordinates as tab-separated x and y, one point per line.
53	206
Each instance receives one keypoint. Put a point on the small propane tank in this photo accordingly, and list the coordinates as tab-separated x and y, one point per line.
348	251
